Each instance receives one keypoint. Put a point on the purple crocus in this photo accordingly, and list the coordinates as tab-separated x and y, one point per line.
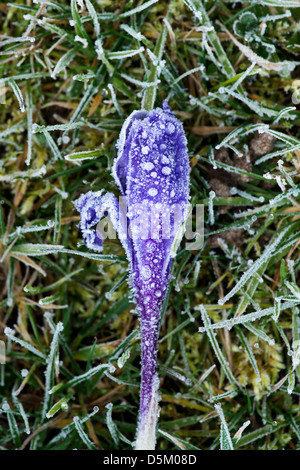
152	173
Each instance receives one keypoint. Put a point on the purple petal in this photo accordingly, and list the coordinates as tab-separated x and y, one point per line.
92	207
121	163
153	143
152	170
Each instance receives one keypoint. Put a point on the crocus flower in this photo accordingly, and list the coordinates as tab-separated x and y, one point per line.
152	173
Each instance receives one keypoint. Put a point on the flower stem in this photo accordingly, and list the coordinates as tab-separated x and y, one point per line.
149	409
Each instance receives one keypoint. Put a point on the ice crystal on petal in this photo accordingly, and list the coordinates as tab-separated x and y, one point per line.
166	170
152	192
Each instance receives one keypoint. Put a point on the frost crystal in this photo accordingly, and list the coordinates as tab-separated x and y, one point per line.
154	206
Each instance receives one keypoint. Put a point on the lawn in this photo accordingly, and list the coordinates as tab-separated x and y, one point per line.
71	72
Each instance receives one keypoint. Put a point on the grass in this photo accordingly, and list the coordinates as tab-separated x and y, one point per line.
229	344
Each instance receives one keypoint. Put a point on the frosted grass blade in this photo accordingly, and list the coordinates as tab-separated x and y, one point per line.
12	423
29	123
249	353
66	430
124	54
64	61
24	174
150	92
22	412
225	439
82	434
275	3
138	9
215	345
11	335
244	319
110	424
200	12
18	94
49	373
81	378
269	250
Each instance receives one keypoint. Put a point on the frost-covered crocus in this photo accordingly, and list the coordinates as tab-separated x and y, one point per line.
152	173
